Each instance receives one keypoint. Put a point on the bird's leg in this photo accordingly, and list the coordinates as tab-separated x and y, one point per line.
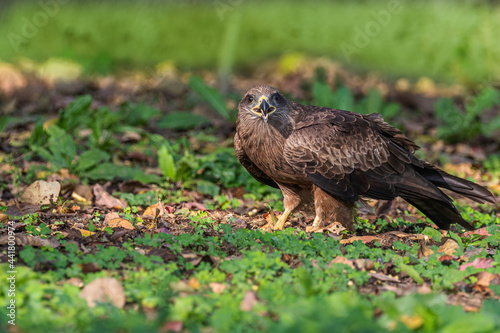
316	224
291	199
281	221
333	209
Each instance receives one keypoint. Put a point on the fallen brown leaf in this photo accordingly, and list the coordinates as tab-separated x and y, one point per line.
249	301
84	192
86	233
412	322
445	258
383	277
22	239
341	260
477	263
181	286
104	290
195	205
104	199
41	193
449	247
470	308
81	199
75	281
11	79
484	279
120	223
172	326
193	283
364	239
110	216
90	267
151	212
424	250
480	231
217	287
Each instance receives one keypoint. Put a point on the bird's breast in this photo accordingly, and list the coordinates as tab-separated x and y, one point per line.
264	146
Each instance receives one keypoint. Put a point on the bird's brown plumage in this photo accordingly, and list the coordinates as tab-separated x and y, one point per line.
332	157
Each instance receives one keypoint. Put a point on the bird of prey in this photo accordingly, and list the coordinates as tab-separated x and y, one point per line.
329	158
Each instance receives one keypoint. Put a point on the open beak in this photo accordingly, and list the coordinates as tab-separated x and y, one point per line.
264	109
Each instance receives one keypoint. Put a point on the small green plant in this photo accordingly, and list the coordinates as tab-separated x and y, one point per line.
457	125
211	95
343	99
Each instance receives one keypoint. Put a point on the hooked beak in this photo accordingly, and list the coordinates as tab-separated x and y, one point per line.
264	109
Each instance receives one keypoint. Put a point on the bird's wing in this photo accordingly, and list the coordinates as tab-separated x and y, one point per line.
347	154
254	171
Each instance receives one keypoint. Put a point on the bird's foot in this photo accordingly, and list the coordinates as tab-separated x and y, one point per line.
279	225
312	228
268	227
282	220
316	226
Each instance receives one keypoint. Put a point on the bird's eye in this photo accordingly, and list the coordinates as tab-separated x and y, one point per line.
249	99
277	98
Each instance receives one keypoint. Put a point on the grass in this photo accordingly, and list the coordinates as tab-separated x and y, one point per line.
314	295
199	269
429	38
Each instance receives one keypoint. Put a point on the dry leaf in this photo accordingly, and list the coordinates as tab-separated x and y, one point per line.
341	260
110	216
90	267
152	211
86	233
120	223
195	205
424	251
193	258
181	287
104	290
84	191
470	308
412	322
249	301
334	228
81	199
364	239
481	231
217	287
484	279
424	289
104	199
477	263
383	277
11	79
449	247
23	239
403	235
445	258
75	281
41	193
172	326
193	283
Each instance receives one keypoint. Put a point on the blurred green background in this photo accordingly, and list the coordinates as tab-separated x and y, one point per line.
449	41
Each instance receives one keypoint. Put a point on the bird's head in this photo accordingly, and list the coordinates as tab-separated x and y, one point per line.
264	102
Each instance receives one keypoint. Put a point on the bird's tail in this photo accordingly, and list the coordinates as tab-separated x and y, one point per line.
458	185
442	213
438	206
